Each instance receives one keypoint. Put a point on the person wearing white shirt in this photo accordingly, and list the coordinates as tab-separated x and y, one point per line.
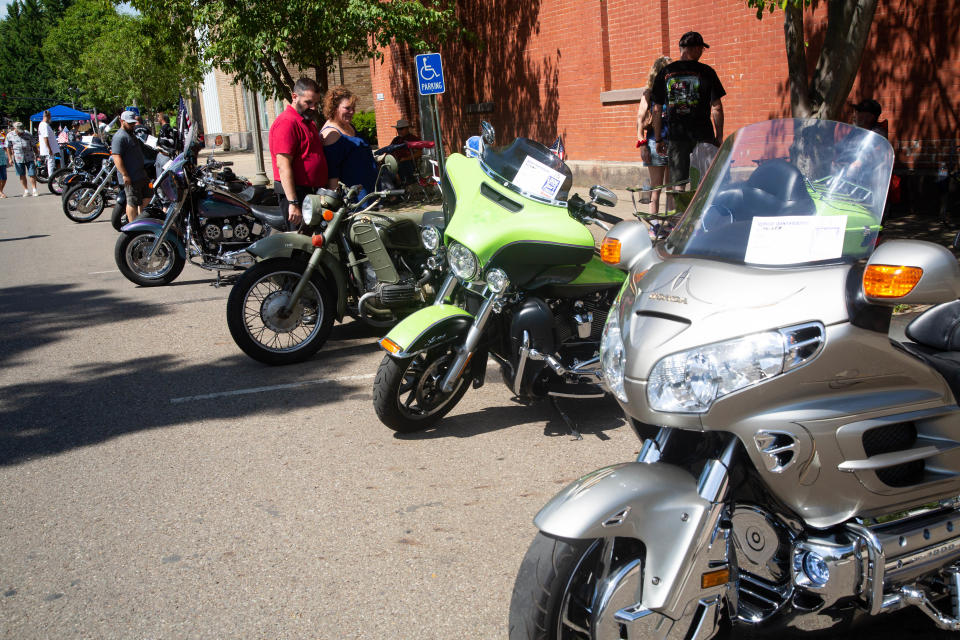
48	143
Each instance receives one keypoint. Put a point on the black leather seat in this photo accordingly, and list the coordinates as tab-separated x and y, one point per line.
270	216
775	188
935	336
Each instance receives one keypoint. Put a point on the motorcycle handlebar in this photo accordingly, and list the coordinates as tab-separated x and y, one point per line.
606	217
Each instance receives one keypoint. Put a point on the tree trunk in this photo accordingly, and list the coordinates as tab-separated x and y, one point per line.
848	28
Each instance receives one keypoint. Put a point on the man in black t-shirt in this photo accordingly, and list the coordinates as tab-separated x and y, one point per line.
691	92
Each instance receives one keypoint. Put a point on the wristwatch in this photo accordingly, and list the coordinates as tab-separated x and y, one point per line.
294	202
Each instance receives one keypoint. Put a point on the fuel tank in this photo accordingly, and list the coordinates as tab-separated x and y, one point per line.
215	203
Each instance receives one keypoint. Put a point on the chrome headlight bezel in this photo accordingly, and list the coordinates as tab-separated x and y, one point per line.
430	238
497	280
462	261
311	209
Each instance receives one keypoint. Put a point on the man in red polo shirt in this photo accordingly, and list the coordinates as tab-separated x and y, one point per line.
296	149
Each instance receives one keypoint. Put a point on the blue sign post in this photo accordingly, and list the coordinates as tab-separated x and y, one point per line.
429	68
429	73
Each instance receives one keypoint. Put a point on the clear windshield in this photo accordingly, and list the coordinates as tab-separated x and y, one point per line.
529	168
789	192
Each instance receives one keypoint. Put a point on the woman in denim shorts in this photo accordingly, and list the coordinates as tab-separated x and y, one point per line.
3	163
655	163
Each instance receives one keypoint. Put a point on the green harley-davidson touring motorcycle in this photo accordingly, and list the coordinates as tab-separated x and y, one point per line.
525	287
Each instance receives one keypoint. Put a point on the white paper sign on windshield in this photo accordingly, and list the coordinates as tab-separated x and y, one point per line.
538	179
152	142
795	239
86	139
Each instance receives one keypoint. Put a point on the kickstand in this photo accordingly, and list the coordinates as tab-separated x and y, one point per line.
217	282
570	424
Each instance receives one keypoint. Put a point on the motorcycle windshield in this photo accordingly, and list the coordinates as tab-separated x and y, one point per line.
789	193
530	169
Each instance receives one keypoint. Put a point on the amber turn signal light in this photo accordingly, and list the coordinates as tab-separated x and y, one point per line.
390	345
317	240
715	578
327	215
610	250
890	281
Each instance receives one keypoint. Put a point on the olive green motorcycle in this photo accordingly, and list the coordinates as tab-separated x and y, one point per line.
526	287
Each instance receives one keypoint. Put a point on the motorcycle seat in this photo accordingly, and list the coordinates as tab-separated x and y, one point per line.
935	336
270	216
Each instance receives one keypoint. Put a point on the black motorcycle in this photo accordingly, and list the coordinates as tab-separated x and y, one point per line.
87	162
200	219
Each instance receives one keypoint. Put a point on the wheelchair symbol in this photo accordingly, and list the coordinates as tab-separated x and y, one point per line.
427	72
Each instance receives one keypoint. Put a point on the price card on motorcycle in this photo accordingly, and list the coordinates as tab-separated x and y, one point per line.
781	240
538	179
152	142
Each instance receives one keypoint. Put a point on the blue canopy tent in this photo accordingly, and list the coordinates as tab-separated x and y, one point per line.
60	113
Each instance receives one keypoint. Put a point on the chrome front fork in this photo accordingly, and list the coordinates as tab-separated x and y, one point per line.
473	337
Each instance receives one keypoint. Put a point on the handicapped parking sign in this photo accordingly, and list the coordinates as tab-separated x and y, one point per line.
429	73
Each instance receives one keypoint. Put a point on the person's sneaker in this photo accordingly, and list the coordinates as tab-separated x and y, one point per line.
26	194
35	194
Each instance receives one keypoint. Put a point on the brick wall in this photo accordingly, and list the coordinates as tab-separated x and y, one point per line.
548	65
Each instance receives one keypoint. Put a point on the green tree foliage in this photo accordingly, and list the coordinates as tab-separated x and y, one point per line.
822	94
26	81
255	38
116	58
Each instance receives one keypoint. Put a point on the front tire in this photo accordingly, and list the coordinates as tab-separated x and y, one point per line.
118	217
559	581
406	391
254	313
55	182
80	205
131	253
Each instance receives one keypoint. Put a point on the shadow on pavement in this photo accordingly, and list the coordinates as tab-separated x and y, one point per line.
34	236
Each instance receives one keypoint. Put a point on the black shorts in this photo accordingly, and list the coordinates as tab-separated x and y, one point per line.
136	192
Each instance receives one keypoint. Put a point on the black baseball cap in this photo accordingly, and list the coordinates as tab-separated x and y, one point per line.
692	39
868	105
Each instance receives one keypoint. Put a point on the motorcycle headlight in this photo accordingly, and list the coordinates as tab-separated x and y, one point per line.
462	261
497	280
690	381
312	210
430	237
612	354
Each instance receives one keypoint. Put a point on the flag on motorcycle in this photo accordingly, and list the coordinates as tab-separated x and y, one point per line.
557	148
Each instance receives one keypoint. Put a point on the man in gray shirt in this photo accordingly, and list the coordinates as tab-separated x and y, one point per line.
128	156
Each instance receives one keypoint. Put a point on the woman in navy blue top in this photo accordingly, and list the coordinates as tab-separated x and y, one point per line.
349	157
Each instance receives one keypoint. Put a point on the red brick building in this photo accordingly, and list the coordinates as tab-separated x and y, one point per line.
575	68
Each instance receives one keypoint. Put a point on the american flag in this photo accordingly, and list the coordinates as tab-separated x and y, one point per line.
183	122
557	148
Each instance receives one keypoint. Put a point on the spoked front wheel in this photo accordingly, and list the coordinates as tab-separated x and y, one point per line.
132	255
407	394
571	589
261	323
55	182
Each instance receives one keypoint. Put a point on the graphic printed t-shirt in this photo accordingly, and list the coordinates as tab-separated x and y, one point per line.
688	89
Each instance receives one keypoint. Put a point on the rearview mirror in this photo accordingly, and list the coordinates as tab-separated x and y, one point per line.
603	196
489	135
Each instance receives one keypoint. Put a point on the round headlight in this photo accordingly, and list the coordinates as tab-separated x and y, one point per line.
497	280
430	238
462	261
311	209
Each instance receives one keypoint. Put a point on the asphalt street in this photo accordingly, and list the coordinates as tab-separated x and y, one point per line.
157	483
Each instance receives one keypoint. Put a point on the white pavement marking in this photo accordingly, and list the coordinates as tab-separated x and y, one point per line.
276	387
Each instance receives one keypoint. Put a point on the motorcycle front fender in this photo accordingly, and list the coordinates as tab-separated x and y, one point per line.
657	504
281	245
428	327
154	226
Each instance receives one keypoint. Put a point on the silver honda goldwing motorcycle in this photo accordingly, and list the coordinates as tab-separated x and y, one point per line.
799	469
